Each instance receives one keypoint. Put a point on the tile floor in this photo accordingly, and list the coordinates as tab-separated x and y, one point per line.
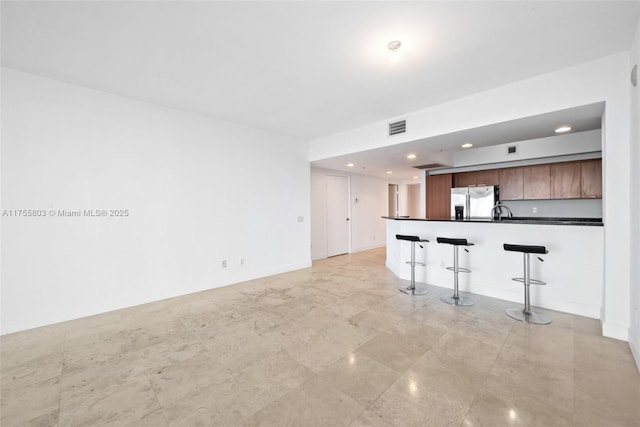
332	345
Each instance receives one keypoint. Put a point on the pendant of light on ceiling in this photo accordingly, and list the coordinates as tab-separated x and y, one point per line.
394	47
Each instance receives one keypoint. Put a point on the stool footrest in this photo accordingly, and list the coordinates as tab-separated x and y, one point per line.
531	281
422	264
460	269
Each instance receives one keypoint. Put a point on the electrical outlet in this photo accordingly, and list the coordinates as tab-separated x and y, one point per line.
535	210
300	219
224	263
241	261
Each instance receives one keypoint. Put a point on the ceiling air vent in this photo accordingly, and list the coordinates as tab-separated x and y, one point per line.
511	149
397	127
430	166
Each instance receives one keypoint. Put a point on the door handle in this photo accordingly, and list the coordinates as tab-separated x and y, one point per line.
348	219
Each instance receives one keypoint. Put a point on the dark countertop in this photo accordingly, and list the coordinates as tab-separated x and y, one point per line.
516	220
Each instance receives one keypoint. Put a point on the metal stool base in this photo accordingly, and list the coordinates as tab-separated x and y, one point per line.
461	301
534	317
415	291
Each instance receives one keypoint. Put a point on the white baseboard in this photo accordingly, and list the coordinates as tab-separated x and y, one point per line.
614	330
368	247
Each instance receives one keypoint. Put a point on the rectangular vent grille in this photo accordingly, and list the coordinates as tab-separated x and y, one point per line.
511	149
397	127
429	166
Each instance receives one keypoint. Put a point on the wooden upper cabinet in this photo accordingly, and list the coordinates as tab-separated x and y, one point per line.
465	179
439	196
566	180
487	177
511	183
591	179
537	182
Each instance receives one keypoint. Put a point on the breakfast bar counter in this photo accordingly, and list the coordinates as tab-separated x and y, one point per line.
573	268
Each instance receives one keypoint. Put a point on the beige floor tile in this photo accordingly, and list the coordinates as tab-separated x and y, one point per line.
236	345
176	381
548	383
500	407
411	402
554	344
30	405
461	349
369	419
376	319
394	351
418	333
118	404
314	403
360	377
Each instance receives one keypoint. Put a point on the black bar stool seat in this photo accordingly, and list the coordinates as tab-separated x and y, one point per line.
456	299
415	240
526	314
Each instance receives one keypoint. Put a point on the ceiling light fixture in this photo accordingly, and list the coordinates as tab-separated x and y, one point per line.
393	46
416	177
467	145
349	165
411	156
389	172
563	129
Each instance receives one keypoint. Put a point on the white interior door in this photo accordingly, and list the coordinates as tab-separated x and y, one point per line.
337	215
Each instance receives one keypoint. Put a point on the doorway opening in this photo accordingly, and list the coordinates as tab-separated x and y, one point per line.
393	200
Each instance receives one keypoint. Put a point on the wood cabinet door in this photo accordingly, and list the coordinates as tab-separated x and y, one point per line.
566	181
511	183
537	182
487	177
591	179
439	196
465	179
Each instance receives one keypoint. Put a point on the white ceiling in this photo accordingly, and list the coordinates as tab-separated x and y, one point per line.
308	69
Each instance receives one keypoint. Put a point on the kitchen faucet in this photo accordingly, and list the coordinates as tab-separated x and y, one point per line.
498	207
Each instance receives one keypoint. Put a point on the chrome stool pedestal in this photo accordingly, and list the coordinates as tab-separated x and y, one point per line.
526	314
411	289
456	299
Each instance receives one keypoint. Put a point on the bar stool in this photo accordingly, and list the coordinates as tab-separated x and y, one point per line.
526	314
415	240
456	299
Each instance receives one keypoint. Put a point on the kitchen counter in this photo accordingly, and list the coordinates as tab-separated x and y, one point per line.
515	220
573	268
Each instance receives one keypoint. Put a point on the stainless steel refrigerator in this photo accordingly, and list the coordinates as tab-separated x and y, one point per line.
473	202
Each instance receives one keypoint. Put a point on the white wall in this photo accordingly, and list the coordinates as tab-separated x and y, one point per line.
634	158
198	191
602	80
560	145
367	226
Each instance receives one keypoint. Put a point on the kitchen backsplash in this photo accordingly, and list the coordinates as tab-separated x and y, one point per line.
569	208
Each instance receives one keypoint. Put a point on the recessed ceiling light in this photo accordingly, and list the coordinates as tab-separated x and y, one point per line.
563	129
349	165
467	145
411	156
389	172
416	177
393	46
